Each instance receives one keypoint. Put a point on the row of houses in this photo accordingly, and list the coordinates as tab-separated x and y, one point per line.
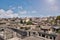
38	24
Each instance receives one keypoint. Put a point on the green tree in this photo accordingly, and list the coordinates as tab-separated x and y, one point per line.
21	21
58	31
38	26
29	23
21	28
58	18
24	22
27	28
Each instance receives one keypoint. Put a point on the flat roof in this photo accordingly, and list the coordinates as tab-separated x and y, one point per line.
52	34
56	27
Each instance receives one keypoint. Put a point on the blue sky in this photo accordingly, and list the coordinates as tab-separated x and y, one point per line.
29	8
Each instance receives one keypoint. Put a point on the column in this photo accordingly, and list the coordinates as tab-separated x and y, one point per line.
5	37
55	30
48	37
14	34
52	38
45	36
31	33
41	35
37	33
27	33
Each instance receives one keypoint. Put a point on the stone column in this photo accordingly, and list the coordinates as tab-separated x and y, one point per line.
52	38
37	33
48	37
55	30
27	33
5	38
45	36
41	35
14	34
31	33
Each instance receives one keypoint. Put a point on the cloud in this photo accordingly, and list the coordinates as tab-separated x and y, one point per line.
52	2
10	13
7	14
23	12
2	11
27	12
15	7
11	7
52	5
20	7
54	8
34	12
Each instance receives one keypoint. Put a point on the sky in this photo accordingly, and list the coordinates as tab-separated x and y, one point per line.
29	8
